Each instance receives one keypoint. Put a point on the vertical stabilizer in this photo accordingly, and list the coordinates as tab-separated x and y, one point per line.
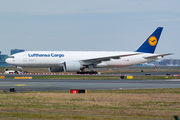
151	42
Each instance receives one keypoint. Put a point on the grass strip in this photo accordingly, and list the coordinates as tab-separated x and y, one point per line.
100	77
96	104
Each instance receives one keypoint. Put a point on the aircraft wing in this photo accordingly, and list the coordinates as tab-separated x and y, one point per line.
155	56
100	59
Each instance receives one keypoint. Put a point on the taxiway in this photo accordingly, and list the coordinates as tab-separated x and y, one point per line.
58	85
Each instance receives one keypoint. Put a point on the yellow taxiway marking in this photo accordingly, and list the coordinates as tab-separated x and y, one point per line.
29	85
23	85
19	85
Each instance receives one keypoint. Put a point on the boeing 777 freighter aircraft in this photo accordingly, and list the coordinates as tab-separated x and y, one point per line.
73	61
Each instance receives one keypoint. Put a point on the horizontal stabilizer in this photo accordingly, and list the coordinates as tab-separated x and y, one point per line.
155	56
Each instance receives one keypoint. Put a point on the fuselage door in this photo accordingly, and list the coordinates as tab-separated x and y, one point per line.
24	58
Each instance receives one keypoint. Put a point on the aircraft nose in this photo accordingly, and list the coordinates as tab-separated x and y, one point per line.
7	61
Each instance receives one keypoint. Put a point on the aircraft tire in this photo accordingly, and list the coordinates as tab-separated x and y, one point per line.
87	72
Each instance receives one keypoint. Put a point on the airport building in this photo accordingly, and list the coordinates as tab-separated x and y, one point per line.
163	62
170	62
14	51
2	60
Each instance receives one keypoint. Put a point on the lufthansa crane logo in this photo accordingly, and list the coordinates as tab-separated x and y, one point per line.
152	40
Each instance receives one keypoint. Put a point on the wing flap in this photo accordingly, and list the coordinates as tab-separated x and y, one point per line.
100	59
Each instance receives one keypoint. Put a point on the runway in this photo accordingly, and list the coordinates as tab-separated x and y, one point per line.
59	85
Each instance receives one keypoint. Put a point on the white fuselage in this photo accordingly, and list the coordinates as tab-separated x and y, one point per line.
57	58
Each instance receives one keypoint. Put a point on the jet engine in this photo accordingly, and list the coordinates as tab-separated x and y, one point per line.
72	66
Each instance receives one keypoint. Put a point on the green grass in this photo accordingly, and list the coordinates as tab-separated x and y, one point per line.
82	77
140	91
99	77
96	104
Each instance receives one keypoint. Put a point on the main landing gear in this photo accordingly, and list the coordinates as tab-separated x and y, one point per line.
87	72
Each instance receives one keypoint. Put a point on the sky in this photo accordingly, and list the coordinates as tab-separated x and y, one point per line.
88	25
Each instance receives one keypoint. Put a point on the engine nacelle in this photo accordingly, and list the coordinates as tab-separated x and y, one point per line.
59	69
72	66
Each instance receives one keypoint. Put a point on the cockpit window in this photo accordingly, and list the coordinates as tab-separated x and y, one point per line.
10	56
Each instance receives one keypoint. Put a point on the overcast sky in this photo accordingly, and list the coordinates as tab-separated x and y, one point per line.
88	25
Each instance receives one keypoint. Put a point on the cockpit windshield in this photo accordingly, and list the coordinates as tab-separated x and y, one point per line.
10	56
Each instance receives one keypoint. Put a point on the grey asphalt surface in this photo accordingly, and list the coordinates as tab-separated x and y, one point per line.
58	85
151	73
